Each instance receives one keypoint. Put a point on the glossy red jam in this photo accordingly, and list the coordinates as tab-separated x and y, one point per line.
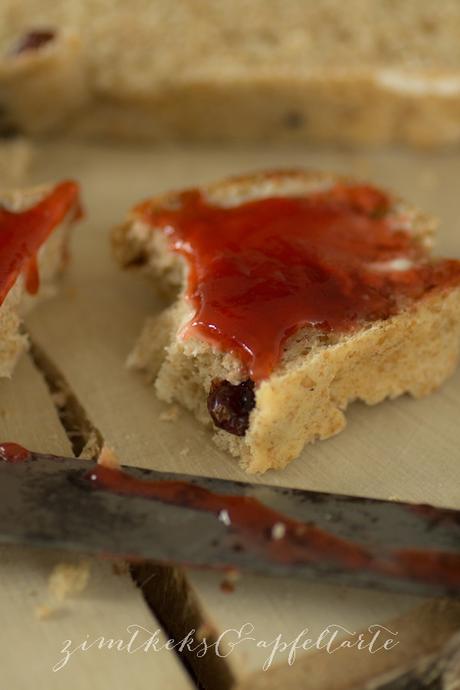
23	233
281	538
14	453
261	270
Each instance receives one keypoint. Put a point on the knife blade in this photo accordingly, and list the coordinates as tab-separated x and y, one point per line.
74	504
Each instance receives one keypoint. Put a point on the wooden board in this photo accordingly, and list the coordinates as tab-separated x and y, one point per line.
404	448
36	619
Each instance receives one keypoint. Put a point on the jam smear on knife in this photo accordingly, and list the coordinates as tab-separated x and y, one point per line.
257	526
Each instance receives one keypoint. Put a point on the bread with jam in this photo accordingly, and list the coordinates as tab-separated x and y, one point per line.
293	293
34	234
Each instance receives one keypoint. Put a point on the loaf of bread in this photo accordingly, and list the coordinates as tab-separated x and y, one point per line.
359	330
361	71
34	234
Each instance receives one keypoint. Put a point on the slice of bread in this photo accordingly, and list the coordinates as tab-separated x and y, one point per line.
320	70
320	372
51	258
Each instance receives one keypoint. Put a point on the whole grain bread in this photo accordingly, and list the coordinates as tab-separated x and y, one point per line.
364	71
320	373
50	260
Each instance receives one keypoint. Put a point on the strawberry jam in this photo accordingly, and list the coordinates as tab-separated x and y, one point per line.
261	270
14	453
23	233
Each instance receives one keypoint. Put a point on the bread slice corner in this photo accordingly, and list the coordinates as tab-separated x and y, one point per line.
50	260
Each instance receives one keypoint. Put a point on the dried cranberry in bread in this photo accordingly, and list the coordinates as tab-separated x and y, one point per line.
296	293
34	231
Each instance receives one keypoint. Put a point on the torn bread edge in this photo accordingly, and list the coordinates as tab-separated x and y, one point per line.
51	259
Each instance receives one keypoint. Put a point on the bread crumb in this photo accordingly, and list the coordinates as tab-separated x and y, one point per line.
185	451
59	398
227	585
91	449
43	611
170	415
68	579
107	458
394	497
278	530
205	631
120	567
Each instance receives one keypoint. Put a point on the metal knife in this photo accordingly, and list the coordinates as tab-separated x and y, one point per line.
74	504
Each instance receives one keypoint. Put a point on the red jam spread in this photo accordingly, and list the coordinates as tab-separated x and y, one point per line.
261	270
14	453
23	233
301	542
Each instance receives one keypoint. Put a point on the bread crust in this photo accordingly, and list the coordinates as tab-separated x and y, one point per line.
319	375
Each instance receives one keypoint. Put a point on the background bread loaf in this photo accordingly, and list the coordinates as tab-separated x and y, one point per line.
364	71
51	259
